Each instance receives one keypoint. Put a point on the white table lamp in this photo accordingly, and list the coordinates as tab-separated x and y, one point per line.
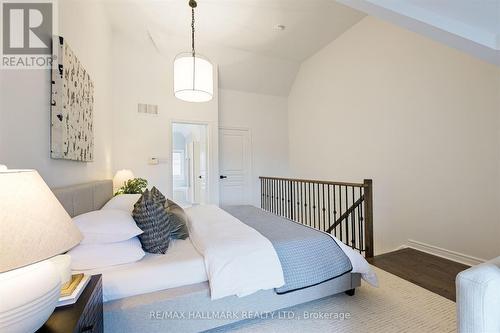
121	177
33	228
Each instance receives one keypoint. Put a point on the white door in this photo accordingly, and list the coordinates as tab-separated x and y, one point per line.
197	177
196	174
235	166
190	164
190	161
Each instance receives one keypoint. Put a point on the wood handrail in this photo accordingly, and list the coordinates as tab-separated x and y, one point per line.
346	213
315	181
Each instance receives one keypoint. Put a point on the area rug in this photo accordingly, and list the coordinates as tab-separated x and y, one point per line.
396	306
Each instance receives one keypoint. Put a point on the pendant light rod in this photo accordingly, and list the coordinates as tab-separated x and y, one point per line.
193	5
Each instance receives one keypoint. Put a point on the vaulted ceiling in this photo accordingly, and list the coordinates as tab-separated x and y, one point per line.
241	36
472	26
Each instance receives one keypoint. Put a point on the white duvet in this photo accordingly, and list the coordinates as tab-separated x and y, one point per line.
238	259
233	257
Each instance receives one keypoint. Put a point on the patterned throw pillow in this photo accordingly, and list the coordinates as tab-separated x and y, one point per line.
152	218
158	196
178	219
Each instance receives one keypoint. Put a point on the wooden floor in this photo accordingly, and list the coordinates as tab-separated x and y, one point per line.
427	271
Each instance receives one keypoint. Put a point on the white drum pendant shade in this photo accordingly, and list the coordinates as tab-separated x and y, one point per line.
193	78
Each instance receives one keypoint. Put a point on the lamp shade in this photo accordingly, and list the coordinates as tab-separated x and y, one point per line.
121	177
193	78
33	224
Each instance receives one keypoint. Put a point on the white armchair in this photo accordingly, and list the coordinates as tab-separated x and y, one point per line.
478	298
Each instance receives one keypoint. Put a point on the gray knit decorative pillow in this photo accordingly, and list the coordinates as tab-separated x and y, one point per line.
178	220
158	196
152	218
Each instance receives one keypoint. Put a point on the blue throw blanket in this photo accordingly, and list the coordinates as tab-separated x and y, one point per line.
308	257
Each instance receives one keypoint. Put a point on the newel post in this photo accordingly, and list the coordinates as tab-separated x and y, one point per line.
368	205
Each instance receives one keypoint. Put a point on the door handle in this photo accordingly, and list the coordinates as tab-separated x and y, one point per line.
222	177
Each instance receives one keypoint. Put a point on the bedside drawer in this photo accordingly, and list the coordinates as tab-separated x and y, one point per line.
85	316
91	320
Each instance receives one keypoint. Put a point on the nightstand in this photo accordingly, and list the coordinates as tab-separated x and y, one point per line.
85	316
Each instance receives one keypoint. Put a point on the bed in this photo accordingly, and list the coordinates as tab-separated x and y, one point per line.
171	293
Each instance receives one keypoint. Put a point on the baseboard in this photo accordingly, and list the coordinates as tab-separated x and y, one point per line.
443	253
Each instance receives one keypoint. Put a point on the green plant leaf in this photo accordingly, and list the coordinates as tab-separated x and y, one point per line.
133	186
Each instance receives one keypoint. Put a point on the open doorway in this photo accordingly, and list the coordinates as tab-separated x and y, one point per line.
189	163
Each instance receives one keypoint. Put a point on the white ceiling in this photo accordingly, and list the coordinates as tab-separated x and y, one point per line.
472	26
239	35
252	55
483	15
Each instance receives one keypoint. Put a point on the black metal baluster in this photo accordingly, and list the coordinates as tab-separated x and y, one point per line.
302	202
282	211
340	213
287	199
265	192
274	196
324	209
314	206
329	210
318	203
361	223
271	195
267	195
297	196
262	193
309	200
283	196
291	204
347	217
353	221
334	208
277	197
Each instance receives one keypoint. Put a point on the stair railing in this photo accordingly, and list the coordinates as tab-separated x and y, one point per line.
344	210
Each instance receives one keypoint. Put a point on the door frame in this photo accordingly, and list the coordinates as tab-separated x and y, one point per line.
210	156
250	148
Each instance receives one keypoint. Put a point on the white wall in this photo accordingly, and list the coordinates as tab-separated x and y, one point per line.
25	102
419	118
266	117
142	75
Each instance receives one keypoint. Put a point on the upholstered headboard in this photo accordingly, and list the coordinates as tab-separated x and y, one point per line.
83	198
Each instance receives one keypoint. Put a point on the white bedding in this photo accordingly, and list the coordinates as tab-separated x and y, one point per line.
238	259
181	265
234	255
359	264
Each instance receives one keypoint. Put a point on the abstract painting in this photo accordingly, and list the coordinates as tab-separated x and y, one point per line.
72	109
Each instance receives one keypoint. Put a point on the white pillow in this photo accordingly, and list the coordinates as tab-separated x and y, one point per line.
123	202
92	256
106	226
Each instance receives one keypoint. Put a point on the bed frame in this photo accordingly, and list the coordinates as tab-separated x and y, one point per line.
187	308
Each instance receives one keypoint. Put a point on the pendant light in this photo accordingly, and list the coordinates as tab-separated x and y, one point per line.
193	73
